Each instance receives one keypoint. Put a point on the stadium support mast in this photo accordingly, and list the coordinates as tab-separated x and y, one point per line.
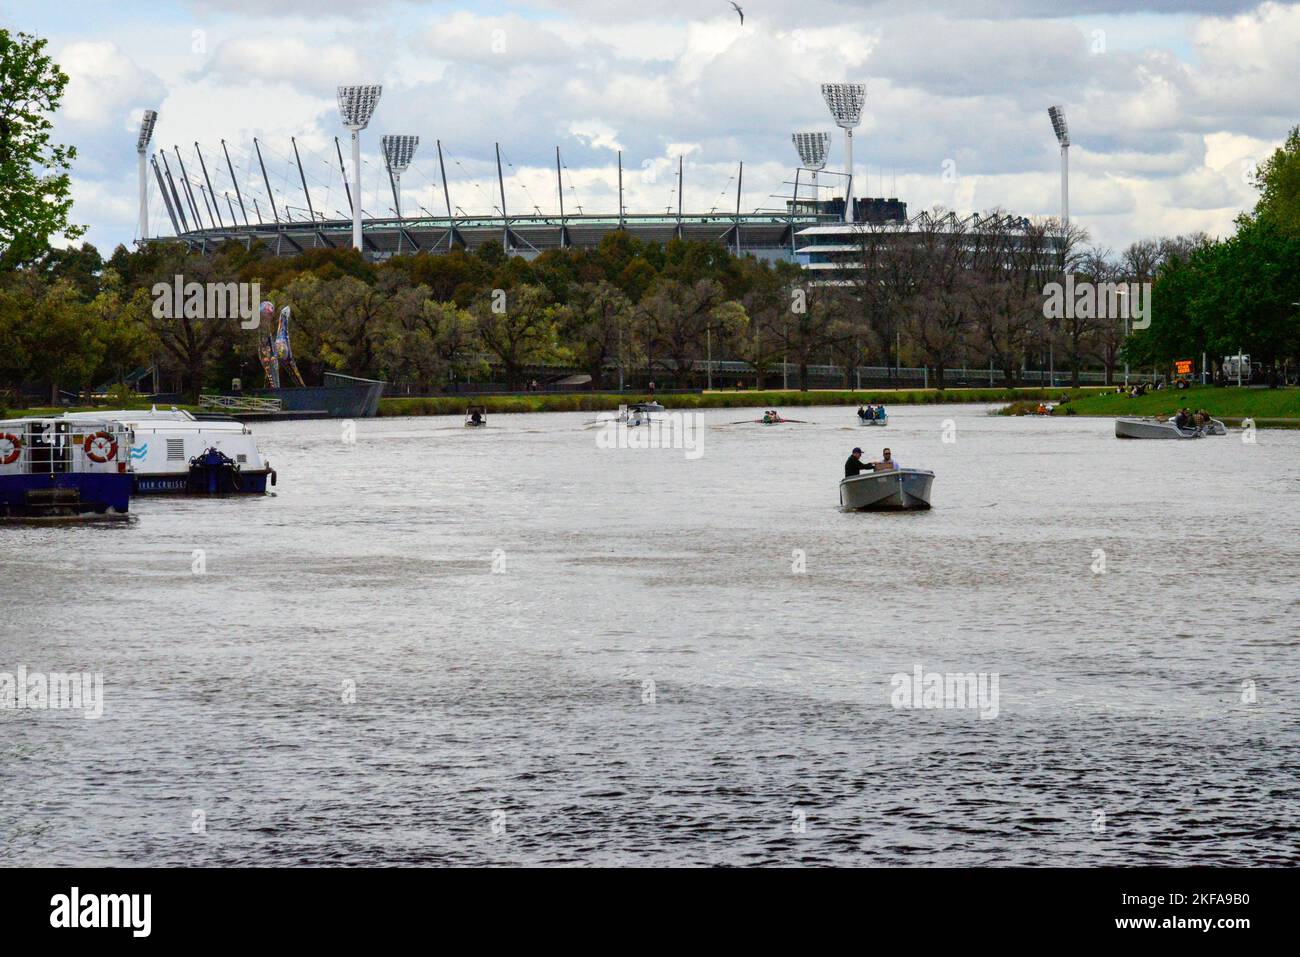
620	197
559	182
207	179
505	223
446	194
162	188
680	165
356	107
740	180
176	198
189	190
147	124
845	101
1062	130
238	195
267	180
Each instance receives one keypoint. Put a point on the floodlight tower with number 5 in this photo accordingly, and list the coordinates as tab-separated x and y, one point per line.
846	101
356	106
146	134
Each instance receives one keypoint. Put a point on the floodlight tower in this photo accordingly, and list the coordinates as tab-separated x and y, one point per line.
1062	129
146	134
398	152
356	106
812	149
846	101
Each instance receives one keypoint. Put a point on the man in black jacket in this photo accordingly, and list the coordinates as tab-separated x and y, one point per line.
855	465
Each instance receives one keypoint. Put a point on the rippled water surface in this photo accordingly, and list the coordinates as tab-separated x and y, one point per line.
647	678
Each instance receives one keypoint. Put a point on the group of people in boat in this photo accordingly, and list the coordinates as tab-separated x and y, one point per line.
870	413
771	417
855	465
1187	420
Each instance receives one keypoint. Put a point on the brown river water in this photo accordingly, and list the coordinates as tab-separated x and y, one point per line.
436	645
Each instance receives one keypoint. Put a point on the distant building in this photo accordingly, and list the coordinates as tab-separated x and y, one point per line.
839	247
865	210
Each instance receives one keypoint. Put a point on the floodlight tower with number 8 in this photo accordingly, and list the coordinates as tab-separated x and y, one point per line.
356	106
846	101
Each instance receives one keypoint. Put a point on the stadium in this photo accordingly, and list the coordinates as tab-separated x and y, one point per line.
288	206
295	200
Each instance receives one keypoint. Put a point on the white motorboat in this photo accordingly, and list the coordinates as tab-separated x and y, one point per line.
894	489
1130	427
880	421
166	441
476	417
638	413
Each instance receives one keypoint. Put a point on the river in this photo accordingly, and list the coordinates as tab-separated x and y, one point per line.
437	645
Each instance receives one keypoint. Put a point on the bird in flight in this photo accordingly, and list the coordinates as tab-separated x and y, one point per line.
739	11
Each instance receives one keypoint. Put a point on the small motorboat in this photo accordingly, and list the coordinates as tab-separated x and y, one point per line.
476	417
638	413
771	417
891	490
54	469
883	420
1129	427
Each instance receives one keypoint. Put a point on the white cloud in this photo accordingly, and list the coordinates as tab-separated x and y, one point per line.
1187	93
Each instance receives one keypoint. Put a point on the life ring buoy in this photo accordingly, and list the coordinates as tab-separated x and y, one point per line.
93	443
14	452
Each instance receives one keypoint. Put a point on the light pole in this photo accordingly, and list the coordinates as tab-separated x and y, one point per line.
845	101
1062	129
812	149
356	106
146	134
398	153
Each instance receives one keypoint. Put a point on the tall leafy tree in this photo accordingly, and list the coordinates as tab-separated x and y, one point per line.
35	189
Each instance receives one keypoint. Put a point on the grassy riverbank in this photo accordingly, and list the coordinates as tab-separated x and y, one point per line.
1278	408
776	399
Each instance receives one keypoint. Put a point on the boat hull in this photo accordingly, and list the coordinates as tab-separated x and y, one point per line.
1146	428
877	422
178	483
65	495
895	490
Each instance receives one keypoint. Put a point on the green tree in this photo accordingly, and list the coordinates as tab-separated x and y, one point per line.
1278	181
519	329
35	188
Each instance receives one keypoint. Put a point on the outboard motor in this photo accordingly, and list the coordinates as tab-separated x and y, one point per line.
213	473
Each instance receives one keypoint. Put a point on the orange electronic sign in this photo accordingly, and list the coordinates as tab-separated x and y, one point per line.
1183	366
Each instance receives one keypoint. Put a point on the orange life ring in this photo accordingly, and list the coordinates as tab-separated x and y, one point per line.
89	447
17	450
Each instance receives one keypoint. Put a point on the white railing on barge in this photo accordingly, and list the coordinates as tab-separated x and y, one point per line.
240	403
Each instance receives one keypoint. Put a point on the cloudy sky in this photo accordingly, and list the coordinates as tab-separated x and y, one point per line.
1170	102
